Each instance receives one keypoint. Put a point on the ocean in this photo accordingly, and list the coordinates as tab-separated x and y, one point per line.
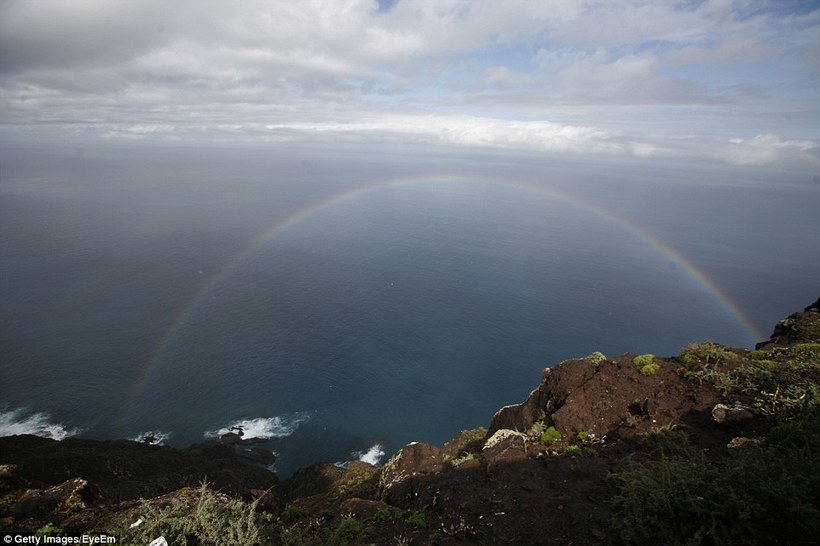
342	303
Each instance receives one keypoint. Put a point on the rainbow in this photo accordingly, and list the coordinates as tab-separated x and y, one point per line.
697	275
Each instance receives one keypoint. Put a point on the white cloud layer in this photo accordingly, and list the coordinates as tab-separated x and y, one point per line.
717	79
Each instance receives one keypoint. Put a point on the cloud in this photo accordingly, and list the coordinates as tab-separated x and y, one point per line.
616	76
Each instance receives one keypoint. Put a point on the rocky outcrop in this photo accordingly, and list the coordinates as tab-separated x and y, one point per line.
796	328
736	413
400	473
505	445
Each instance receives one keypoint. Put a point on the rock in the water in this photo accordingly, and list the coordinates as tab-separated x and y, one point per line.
725	415
231	438
504	445
399	473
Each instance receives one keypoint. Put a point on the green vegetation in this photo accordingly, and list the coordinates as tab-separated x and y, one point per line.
384	513
707	353
466	446
680	500
649	369
293	513
416	519
48	530
586	437
572	450
349	528
207	517
646	364
550	436
596	357
782	382
457	461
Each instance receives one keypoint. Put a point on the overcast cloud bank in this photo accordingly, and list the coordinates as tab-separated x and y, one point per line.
733	81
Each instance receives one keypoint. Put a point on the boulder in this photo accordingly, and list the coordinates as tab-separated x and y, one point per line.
400	474
505	445
726	415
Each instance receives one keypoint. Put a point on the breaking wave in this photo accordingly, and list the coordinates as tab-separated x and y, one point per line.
373	455
152	437
263	427
15	422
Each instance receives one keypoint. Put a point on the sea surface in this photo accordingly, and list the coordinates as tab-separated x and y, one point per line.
342	303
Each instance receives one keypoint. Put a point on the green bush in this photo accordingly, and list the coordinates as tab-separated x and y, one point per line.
417	519
685	501
596	357
708	352
550	436
643	360
348	529
649	369
206	517
572	451
646	364
585	436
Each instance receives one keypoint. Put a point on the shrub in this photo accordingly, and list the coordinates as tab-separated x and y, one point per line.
537	429
293	513
586	437
596	357
417	519
649	369
643	360
680	501
348	529
572	451
708	352
206	517
550	436
646	364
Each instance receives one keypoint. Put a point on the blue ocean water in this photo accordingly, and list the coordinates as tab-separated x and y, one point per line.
335	302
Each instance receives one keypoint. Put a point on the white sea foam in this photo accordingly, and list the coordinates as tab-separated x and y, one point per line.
18	421
373	455
152	437
263	427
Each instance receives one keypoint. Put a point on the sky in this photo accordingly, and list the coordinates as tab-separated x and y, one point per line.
714	80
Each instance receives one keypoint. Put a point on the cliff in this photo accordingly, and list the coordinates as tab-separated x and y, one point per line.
715	445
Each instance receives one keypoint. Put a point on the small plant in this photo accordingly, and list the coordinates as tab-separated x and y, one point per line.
596	358
649	369
708	353
463	459
643	360
572	451
537	429
384	513
293	513
588	451
586	437
349	528
48	530
550	436
417	519
204	516
646	364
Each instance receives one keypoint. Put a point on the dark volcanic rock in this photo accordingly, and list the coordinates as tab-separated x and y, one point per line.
505	445
400	473
129	470
796	328
256	455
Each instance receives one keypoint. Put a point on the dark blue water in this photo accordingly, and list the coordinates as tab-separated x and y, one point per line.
138	294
